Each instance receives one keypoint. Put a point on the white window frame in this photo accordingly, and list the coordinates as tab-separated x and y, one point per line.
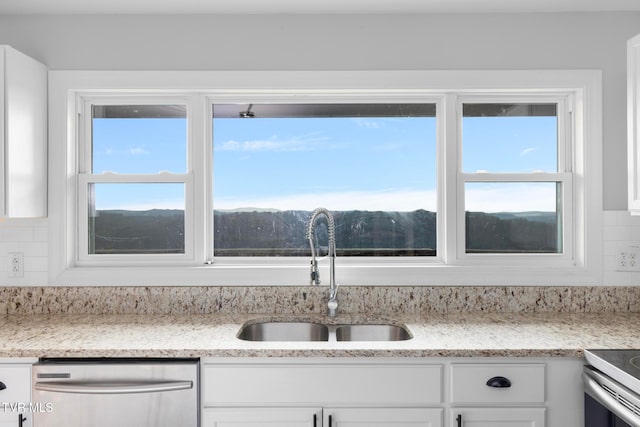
582	265
564	176
86	177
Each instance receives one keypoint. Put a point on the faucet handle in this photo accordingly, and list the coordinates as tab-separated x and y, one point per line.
332	307
315	274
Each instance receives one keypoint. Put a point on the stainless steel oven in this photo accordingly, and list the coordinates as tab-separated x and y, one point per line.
612	388
116	392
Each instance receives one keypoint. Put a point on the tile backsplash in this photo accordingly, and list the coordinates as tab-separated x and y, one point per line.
31	237
620	229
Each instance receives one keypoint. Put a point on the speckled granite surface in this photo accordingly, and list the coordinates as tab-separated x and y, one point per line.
311	300
203	321
446	335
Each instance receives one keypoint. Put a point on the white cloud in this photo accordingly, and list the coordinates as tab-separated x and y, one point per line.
522	197
304	143
368	123
143	206
136	151
527	151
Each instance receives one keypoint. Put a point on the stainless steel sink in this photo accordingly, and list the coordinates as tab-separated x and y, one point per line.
291	331
284	331
372	333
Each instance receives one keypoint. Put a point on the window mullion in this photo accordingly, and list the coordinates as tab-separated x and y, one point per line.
454	198
207	164
198	197
445	210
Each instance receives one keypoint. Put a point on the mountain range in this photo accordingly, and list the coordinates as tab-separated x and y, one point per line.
273	232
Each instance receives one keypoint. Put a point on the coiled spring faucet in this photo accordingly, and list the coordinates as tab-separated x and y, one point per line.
332	304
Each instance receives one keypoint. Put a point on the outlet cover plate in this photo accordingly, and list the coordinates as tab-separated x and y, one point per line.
628	258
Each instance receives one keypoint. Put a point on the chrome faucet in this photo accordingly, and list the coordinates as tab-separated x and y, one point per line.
332	304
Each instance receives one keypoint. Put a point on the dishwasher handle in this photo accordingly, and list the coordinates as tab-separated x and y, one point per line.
119	387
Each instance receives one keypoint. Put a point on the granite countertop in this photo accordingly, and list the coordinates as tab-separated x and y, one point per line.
434	335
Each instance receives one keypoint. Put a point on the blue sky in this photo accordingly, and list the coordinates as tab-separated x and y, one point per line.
139	146
338	163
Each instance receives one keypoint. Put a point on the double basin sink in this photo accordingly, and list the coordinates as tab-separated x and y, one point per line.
313	331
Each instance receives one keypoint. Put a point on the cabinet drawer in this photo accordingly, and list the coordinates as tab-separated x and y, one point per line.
368	384
469	383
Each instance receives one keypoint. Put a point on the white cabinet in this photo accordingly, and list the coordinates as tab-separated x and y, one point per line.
261	417
321	417
497	383
23	135
320	393
633	123
498	387
392	392
15	396
343	382
492	417
382	417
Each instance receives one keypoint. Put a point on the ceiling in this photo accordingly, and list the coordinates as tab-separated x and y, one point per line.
309	6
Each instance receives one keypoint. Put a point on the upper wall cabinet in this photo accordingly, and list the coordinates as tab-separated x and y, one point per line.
633	123
23	129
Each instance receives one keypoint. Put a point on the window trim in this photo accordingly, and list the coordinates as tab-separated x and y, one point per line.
585	268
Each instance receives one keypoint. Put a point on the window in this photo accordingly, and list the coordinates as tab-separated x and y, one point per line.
133	179
372	165
517	182
485	178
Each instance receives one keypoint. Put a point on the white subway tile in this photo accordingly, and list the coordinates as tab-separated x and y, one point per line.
36	264
17	234
616	233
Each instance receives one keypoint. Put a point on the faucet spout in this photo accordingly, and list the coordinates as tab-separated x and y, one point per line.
332	305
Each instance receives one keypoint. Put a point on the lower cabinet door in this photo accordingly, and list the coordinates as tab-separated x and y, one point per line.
491	417
15	395
15	420
382	417
261	417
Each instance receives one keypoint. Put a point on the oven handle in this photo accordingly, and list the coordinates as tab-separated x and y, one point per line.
115	388
595	390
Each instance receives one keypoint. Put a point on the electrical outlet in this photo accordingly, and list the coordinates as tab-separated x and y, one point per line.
16	264
628	258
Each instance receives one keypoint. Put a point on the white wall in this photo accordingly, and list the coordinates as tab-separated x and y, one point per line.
347	42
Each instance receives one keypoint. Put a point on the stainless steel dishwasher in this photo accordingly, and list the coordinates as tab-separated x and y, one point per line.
116	392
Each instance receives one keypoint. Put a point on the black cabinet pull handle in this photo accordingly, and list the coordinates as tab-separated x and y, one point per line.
499	382
21	420
315	420
459	420
3	386
330	420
